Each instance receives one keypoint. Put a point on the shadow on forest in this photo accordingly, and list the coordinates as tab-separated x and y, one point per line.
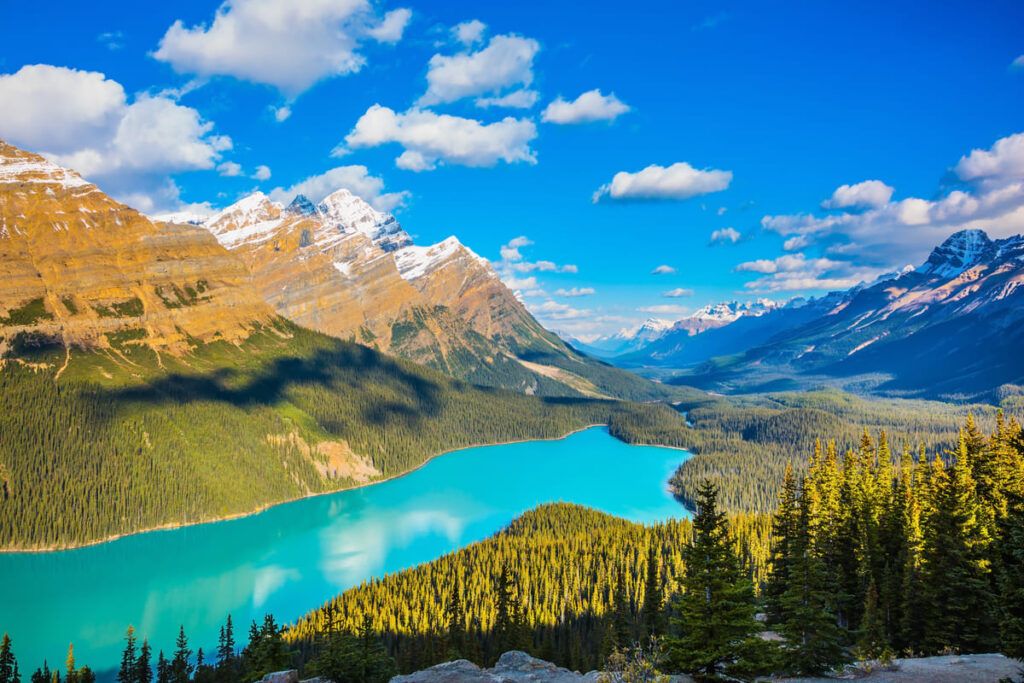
387	390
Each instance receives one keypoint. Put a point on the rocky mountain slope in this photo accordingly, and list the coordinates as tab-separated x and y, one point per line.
347	270
80	269
951	328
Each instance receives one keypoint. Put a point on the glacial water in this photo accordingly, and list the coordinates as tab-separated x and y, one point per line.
293	557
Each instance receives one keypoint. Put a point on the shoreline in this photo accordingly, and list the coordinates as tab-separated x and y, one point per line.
265	507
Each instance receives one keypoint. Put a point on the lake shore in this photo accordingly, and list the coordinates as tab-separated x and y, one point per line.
263	508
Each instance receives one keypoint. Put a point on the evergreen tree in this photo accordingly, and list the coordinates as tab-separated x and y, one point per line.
872	643
128	673
456	618
508	626
181	666
163	669
143	670
227	661
716	625
1011	579
622	617
8	663
42	674
71	673
652	613
784	531
813	641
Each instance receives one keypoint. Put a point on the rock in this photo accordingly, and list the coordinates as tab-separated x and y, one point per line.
512	667
289	676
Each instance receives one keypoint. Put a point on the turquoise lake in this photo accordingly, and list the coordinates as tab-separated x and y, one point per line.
293	557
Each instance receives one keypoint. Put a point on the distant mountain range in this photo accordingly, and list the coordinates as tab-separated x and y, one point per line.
951	328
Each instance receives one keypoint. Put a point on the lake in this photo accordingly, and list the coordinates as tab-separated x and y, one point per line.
292	557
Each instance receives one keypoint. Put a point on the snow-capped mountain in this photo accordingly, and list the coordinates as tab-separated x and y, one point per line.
951	328
348	270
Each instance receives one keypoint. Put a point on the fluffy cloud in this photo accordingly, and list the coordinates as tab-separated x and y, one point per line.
557	311
663	270
229	169
513	261
282	114
575	291
678	181
517	99
469	32
588	107
288	45
430	138
904	231
665	309
262	173
725	235
677	293
870	194
127	147
356	179
506	62
796	272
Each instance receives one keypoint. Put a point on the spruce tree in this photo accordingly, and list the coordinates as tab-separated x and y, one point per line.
456	621
71	673
143	670
163	669
128	673
813	641
717	630
1011	579
181	666
784	531
8	663
652	612
872	642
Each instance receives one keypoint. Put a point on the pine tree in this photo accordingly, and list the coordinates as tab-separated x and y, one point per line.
227	661
181	668
622	617
872	643
716	625
456	621
784	531
508	625
163	669
128	673
42	674
813	641
71	673
652	613
143	670
8	663
1011	579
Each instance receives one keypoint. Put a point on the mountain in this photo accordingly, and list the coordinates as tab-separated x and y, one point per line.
80	269
144	381
343	268
951	328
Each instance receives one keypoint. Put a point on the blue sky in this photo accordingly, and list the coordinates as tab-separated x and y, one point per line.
752	115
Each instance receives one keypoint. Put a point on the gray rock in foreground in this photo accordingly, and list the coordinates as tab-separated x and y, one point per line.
512	667
519	667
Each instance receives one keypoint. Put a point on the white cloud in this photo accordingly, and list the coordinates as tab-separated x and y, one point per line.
430	138
517	99
906	230
663	270
1004	160
262	172
229	169
392	26
356	179
665	309
795	243
868	194
796	272
112	40
678	181
506	62
469	32
575	291
282	114
588	107
730	235
128	148
677	293
513	266
555	310
289	45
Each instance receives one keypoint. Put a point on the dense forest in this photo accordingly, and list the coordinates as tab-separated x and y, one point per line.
869	555
132	439
744	443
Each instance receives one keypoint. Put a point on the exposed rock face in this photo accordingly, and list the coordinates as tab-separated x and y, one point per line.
512	667
343	268
79	268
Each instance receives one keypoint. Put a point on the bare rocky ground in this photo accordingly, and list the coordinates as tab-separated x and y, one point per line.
519	667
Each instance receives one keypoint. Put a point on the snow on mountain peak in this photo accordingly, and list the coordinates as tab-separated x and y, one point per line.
354	213
960	251
17	166
414	262
251	219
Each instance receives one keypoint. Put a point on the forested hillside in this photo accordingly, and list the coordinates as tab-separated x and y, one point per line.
744	443
128	439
